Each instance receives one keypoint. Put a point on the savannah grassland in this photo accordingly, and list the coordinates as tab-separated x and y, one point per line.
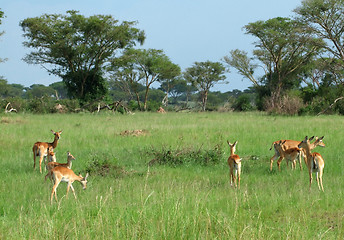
188	201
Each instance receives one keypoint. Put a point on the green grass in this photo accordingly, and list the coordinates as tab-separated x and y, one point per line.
164	202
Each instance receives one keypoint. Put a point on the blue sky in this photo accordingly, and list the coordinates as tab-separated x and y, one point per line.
186	30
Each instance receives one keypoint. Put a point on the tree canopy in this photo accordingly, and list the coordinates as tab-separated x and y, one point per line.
204	75
145	66
77	48
325	18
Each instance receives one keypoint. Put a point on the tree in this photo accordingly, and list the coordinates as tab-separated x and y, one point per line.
284	47
240	61
325	18
204	75
77	48
167	86
144	66
60	90
10	90
39	90
1	33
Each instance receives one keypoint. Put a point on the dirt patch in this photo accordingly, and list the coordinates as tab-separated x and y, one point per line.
135	133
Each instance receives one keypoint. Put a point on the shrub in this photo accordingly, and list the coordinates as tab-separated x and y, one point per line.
104	164
287	104
243	103
167	156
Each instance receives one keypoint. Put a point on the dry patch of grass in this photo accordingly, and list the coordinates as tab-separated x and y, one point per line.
135	133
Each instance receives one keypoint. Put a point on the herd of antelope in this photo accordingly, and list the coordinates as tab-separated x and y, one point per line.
289	150
57	172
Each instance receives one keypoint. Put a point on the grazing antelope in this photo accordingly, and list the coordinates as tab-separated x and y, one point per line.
63	174
291	144
315	162
234	163
68	165
40	149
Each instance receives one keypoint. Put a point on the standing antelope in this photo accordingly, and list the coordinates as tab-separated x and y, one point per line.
290	154
314	161
68	165
40	149
63	174
234	162
291	144
51	156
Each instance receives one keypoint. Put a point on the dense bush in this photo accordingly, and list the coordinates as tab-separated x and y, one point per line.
243	103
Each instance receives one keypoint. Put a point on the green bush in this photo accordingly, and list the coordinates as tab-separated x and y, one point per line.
243	103
185	156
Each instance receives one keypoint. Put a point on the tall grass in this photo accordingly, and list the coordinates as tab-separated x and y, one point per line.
189	201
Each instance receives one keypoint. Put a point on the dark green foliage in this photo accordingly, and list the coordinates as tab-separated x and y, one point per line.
77	48
41	105
243	103
104	164
186	156
85	85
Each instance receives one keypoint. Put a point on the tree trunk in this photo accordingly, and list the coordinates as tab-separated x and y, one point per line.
204	100
138	100
146	98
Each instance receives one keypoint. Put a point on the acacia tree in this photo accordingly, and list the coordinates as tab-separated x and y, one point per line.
204	75
144	66
325	18
77	48
243	64
126	77
284	48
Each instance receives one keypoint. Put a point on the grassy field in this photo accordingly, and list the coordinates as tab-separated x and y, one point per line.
189	201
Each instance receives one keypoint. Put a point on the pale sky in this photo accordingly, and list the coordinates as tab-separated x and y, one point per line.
187	31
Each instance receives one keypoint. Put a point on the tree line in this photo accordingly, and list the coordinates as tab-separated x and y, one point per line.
295	67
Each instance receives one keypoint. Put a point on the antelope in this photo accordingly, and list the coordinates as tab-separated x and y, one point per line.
291	144
64	174
40	149
68	165
290	154
51	156
234	163
315	162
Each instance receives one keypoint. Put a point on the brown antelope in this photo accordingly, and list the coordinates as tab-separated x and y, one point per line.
63	174
68	165
290	154
41	149
51	156
234	163
291	144
315	162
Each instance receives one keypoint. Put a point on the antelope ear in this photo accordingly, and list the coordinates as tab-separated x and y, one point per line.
311	138
52	131
321	138
86	176
229	143
235	143
284	141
